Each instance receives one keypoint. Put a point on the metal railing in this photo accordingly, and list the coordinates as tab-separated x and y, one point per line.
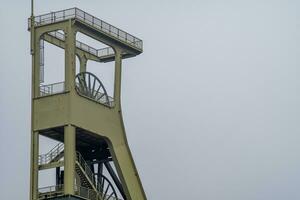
86	168
50	191
59	87
55	190
53	88
99	97
52	154
90	20
107	51
91	194
87	193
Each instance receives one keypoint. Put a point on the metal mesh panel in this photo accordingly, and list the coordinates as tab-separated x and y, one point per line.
129	38
88	18
104	26
69	13
105	52
87	193
79	14
98	23
122	34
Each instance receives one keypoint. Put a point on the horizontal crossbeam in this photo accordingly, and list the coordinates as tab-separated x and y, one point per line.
51	165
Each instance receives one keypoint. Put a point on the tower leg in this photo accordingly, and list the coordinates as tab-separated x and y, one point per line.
125	165
70	155
128	172
34	165
83	62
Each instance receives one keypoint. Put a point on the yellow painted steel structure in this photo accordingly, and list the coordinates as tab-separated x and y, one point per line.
74	119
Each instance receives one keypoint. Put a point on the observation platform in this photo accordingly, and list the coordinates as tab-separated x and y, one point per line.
94	27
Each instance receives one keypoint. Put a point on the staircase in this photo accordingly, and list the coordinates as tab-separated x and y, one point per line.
87	186
55	154
87	177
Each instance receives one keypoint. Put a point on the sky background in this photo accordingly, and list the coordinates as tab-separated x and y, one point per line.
211	107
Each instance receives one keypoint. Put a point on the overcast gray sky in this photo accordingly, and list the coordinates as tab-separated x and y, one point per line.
211	107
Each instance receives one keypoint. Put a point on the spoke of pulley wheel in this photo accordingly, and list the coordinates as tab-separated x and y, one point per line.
81	83
110	196
102	185
100	97
99	87
106	190
89	84
107	100
100	181
80	87
84	83
93	89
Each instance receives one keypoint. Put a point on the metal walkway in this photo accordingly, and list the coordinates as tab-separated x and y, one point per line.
103	55
94	22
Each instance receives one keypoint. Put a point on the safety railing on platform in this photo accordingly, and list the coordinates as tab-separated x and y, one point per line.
104	52
53	88
55	190
108	51
59	87
90	20
99	97
50	191
52	154
86	193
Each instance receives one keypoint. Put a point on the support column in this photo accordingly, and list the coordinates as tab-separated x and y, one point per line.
118	76
34	166
70	156
127	171
36	66
70	68
83	61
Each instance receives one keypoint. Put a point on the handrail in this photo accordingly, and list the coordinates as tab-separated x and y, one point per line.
53	88
53	190
50	191
107	51
53	153
86	193
90	20
86	168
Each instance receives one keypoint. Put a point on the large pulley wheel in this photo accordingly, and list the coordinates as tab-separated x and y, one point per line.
87	84
106	189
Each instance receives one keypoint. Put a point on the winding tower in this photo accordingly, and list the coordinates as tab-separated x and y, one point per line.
78	113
